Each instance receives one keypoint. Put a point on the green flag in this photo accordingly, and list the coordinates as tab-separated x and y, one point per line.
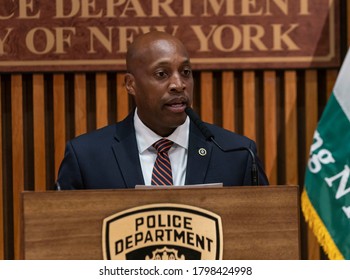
325	199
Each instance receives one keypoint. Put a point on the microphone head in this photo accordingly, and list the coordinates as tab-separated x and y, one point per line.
189	110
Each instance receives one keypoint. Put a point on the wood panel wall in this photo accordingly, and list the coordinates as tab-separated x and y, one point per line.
279	109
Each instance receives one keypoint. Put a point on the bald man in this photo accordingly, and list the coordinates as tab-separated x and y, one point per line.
130	152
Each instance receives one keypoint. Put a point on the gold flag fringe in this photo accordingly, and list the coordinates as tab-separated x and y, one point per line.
319	229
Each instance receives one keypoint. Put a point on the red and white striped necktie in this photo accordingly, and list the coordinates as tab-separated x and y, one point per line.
162	174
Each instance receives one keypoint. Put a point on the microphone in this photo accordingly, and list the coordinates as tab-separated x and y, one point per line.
210	136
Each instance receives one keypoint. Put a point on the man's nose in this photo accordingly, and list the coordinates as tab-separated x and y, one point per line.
176	84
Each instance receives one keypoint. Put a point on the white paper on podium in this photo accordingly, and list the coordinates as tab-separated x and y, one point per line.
213	185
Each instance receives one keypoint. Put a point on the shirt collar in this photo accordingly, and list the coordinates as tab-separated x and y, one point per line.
146	137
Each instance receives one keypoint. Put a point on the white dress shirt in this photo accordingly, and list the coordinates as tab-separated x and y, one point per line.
145	138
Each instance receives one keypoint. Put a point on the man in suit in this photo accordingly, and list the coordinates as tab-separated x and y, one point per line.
122	155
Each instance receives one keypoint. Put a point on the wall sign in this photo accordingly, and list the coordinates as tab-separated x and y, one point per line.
93	35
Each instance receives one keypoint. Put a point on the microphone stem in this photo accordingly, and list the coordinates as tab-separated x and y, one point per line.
254	171
209	136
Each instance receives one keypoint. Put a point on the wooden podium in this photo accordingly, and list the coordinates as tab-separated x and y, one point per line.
257	222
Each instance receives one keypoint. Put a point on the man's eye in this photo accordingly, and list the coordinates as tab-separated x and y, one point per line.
187	72
160	74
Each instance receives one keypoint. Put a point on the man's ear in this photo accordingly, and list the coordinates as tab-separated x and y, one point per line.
129	81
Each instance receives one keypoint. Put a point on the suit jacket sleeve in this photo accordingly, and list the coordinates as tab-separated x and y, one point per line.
69	174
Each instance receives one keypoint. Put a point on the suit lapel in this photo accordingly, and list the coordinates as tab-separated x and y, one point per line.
126	152
199	153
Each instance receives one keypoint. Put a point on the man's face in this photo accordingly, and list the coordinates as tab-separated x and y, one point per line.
162	84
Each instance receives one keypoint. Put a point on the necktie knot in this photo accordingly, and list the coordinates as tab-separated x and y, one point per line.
163	145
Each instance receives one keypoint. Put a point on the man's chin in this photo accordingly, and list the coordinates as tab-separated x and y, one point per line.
179	121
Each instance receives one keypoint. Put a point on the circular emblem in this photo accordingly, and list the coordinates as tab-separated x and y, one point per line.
202	152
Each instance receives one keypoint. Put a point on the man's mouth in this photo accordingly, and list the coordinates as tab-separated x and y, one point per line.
177	106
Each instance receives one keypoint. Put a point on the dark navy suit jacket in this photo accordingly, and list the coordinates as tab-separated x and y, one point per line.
108	158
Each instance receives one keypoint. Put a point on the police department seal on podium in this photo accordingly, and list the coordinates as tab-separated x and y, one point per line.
163	232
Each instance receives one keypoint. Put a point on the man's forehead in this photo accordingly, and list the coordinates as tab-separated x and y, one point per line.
162	50
156	49
167	61
154	36
161	44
